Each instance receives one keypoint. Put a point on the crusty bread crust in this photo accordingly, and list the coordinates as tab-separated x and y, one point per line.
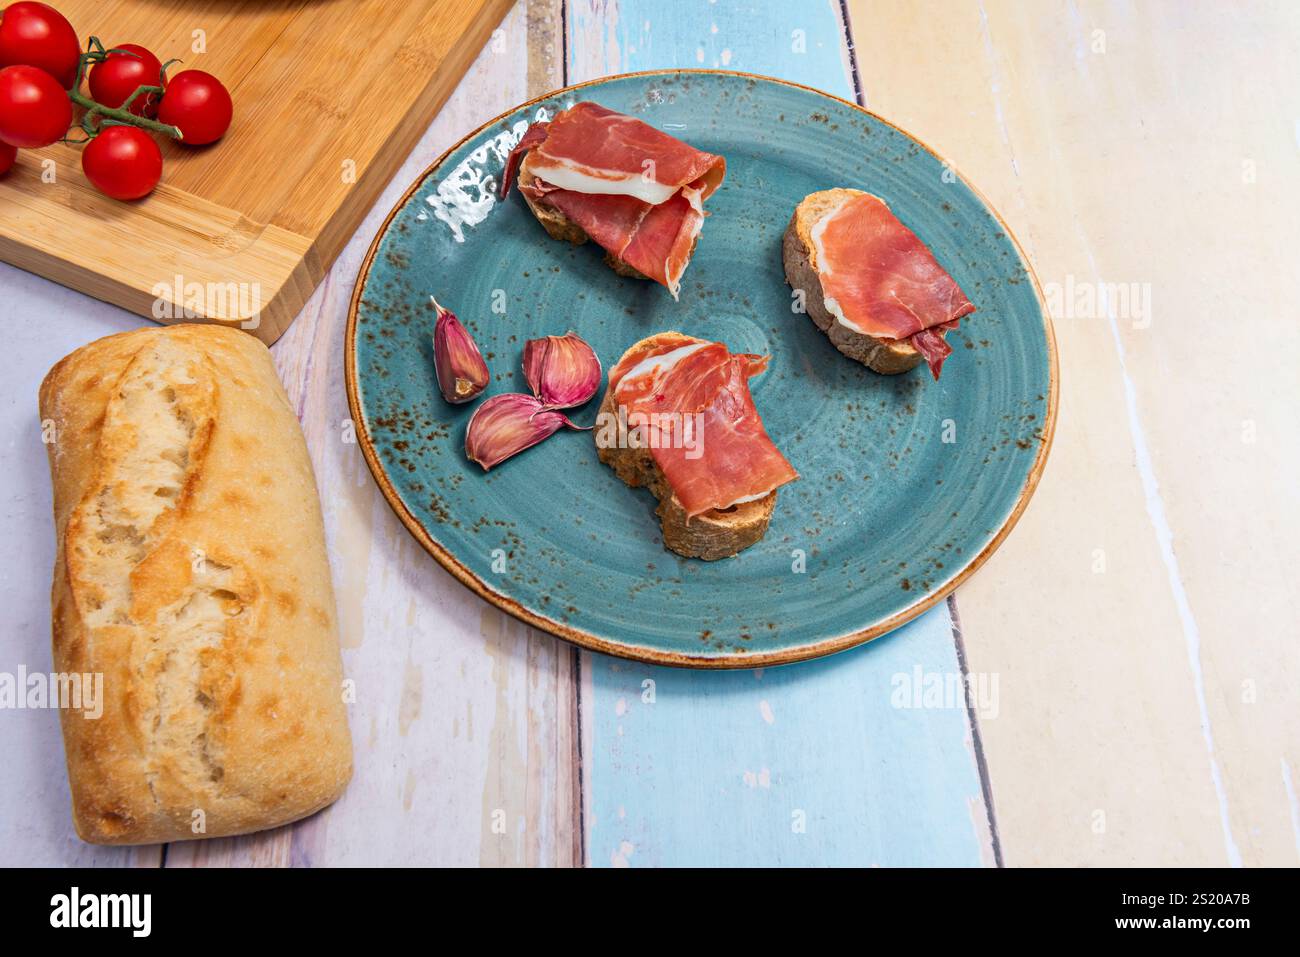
191	573
711	535
886	356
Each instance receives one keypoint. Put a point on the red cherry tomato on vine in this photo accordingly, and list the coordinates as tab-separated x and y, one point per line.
123	162
34	110
115	79
199	105
7	156
37	35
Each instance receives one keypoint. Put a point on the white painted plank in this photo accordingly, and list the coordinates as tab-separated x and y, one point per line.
42	322
462	716
459	712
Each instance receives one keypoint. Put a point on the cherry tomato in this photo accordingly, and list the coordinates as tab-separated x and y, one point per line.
115	79
34	110
37	35
197	103
123	162
7	156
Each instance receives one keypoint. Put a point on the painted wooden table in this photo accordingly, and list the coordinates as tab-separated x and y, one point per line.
1130	653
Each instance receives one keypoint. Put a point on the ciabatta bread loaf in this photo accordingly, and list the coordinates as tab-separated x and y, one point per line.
191	573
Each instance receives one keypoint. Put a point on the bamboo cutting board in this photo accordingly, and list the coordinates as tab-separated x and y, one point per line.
330	96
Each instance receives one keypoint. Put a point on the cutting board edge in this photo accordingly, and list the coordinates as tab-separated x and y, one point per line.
282	292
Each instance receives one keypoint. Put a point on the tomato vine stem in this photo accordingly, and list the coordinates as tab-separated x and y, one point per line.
95	53
121	114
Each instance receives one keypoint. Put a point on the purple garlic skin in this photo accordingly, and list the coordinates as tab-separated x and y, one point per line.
563	371
507	424
462	373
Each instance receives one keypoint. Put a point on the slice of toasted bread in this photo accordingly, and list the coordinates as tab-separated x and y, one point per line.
559	226
717	533
886	356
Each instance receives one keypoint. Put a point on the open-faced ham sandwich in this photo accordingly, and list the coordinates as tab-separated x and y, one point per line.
869	283
678	417
592	173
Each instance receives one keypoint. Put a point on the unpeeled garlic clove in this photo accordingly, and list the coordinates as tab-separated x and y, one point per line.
507	424
563	371
462	373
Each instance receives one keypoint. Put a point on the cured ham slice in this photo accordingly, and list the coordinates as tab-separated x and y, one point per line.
533	136
636	191
879	279
655	240
659	345
933	346
715	453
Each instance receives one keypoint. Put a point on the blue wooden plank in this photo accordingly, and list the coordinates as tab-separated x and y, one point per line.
802	41
808	764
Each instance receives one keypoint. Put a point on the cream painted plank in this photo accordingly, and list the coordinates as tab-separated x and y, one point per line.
464	717
1142	617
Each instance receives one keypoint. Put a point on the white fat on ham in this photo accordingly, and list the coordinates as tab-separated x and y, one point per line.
747	498
586	179
661	363
820	262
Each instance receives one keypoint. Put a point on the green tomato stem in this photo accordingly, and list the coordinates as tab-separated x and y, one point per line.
123	116
95	53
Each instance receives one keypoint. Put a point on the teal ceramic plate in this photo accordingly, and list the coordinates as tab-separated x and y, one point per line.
906	485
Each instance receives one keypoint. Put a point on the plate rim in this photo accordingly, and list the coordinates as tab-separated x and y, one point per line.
592	642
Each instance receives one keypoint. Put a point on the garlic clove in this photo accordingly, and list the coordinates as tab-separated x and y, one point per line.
563	371
462	373
507	424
